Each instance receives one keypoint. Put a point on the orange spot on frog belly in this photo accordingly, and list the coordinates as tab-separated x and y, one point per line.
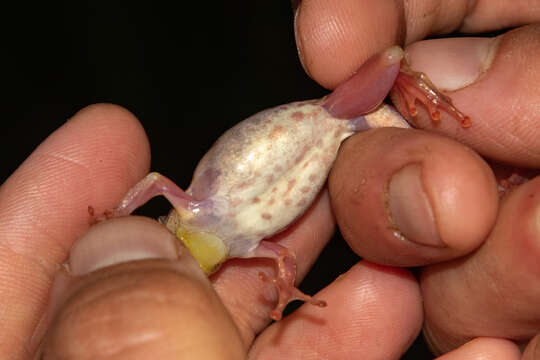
276	132
290	186
266	216
297	116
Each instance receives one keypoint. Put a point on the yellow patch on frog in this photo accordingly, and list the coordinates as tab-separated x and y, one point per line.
208	249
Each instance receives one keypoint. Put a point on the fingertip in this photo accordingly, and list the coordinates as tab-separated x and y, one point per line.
89	161
461	197
408	198
119	133
335	38
111	143
131	290
464	196
497	279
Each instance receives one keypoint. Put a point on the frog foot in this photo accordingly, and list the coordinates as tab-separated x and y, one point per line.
284	281
413	86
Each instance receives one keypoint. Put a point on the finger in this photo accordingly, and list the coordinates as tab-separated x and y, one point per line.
335	38
250	300
134	292
484	348
491	292
493	81
91	160
373	312
500	14
408	198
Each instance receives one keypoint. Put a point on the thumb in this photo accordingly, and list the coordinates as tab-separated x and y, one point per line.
131	290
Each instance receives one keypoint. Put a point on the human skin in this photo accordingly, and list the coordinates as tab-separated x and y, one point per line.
367	296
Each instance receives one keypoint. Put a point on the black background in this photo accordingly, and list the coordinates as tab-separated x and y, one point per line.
187	74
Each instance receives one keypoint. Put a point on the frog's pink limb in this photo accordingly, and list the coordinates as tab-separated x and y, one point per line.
413	86
153	184
367	88
284	281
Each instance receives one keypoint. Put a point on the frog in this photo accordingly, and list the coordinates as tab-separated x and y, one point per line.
263	174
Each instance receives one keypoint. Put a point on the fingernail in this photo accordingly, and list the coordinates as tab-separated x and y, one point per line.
120	240
410	208
453	63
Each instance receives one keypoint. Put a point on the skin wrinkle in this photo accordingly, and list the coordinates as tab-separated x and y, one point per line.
251	321
516	139
123	346
426	16
121	295
68	159
57	163
463	12
47	267
118	290
536	349
36	260
137	342
329	33
401	36
471	8
34	196
29	343
412	24
36	336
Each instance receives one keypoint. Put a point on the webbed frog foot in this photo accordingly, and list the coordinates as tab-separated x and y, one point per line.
284	281
412	86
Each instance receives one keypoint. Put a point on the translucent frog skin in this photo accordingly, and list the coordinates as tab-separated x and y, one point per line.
262	174
266	171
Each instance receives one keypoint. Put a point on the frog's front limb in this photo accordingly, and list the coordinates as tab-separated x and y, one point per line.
153	184
208	249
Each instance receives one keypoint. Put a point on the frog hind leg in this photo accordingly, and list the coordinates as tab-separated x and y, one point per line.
285	260
152	185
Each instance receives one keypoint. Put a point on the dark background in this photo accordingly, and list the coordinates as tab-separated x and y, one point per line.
187	74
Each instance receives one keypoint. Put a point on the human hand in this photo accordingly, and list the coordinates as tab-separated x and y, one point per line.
491	292
161	305
368	298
